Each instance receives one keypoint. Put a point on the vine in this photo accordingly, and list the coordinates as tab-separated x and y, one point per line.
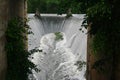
19	65
98	16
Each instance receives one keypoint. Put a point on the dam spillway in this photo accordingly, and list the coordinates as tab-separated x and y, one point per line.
58	57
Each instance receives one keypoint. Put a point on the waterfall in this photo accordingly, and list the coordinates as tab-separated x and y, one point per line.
58	58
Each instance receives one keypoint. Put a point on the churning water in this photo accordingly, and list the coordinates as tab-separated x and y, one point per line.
59	57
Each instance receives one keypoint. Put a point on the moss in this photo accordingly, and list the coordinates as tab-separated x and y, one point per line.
59	36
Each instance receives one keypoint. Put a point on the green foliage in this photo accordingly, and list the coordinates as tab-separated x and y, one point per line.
104	28
77	6
19	66
80	64
100	16
99	45
59	36
57	6
44	6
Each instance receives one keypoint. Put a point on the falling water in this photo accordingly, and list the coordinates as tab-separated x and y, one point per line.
58	58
